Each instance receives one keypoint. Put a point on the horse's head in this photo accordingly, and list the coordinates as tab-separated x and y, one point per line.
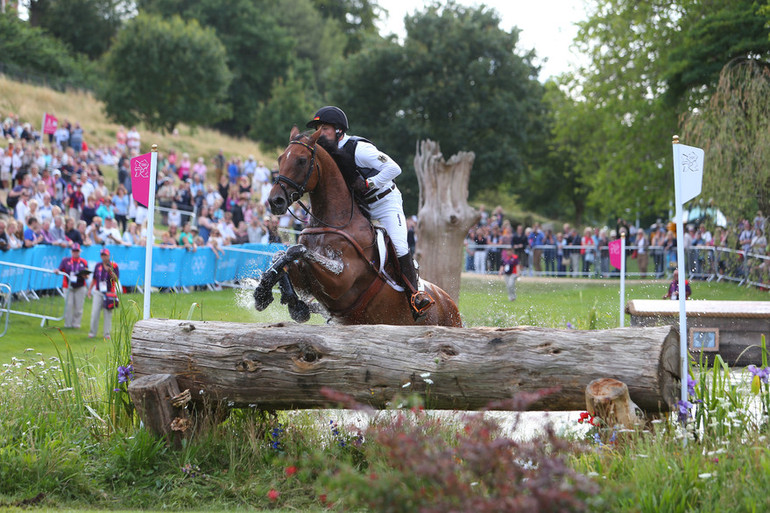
295	171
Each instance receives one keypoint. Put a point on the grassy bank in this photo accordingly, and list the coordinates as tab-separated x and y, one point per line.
29	102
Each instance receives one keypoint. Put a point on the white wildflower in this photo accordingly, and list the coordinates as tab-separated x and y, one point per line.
407	384
425	375
593	474
428	381
705	475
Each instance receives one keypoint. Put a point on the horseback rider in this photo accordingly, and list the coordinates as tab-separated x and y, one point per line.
381	195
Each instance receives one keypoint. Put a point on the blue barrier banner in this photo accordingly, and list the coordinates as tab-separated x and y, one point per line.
166	267
198	267
227	266
171	267
14	277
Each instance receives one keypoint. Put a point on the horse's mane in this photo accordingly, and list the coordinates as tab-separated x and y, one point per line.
347	166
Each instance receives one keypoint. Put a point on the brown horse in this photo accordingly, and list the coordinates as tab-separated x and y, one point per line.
336	258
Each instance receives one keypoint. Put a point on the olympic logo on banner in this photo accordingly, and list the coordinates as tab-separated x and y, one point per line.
198	264
49	262
141	169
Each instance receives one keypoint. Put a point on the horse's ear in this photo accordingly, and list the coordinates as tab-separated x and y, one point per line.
294	132
314	137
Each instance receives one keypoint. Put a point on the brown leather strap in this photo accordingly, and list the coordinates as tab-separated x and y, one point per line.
374	287
323	230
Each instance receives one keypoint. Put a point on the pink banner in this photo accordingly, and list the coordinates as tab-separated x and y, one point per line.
615	253
50	124
140	178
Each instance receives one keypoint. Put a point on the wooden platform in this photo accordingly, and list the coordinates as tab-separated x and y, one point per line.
732	329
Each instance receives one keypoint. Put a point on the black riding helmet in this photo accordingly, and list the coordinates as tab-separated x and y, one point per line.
329	115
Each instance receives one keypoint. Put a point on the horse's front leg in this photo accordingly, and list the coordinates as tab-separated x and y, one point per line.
263	294
298	309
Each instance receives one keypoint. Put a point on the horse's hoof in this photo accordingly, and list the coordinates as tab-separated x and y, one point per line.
262	298
299	312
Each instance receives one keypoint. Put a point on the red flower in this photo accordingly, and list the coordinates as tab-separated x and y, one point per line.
290	471
322	498
273	494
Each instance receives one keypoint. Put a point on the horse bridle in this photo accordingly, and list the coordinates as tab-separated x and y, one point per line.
300	190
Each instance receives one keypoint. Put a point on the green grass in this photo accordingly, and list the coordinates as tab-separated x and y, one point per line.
483	302
66	433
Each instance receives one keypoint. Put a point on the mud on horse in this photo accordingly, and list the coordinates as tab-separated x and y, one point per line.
336	260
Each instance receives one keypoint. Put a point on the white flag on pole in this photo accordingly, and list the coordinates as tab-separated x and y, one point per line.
690	169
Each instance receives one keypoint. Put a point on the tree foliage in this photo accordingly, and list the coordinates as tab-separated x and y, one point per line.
459	80
356	19
26	49
734	130
85	26
164	73
290	103
259	49
650	62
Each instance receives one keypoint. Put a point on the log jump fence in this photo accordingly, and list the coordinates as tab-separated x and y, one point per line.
285	366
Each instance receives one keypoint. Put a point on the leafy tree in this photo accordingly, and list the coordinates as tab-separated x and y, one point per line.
290	103
650	62
29	49
355	17
458	80
164	73
734	130
86	26
259	49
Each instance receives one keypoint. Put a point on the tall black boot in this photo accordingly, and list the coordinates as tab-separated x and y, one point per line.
419	300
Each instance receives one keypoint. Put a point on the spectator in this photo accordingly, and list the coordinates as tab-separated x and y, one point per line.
271	226
216	242
75	270
111	233
120	203
549	252
199	170
57	232
76	138
45	231
104	288
83	235
3	236
187	237
88	213
95	232
587	251
167	240
131	236
480	250
758	242
32	235
673	288
133	140
642	256
233	170
262	182
509	269
185	167
121	138
219	164
255	230
106	210
14	241
249	167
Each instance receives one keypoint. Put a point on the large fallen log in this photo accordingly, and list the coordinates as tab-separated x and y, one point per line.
284	366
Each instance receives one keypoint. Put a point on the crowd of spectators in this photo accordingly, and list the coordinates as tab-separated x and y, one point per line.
543	250
54	192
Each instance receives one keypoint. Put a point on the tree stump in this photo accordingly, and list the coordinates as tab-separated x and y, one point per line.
161	406
444	214
609	400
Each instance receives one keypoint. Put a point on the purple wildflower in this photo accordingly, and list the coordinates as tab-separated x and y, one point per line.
763	374
690	386
570	326
125	374
684	410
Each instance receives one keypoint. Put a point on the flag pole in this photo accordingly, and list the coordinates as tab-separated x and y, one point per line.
682	267
150	231
622	279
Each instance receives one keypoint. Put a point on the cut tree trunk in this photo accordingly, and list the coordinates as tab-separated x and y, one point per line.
609	400
161	406
285	366
444	215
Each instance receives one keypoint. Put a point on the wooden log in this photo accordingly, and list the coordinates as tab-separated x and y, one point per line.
161	406
609	400
284	366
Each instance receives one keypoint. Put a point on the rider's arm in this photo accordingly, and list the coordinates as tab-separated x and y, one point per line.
368	156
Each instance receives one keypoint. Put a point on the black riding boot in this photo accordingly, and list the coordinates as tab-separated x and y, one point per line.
419	300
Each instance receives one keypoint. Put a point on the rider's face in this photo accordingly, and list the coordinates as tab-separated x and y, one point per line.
328	132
